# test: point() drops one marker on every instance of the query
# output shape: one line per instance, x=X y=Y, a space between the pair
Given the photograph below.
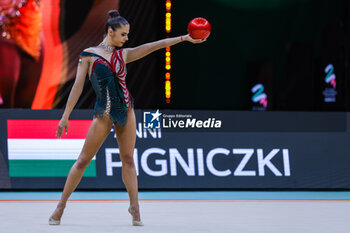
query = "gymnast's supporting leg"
x=98 y=131
x=126 y=137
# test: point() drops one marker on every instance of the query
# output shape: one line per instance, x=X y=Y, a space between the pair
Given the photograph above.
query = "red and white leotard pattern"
x=120 y=68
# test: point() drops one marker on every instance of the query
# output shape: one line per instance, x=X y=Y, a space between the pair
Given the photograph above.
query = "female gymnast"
x=105 y=65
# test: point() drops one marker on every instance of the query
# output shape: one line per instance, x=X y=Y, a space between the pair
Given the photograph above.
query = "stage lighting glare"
x=168 y=85
x=167 y=76
x=168 y=5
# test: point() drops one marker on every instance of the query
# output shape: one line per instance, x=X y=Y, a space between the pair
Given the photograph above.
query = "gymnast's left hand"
x=195 y=41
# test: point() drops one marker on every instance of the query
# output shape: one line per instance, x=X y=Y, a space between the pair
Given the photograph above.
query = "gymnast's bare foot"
x=55 y=218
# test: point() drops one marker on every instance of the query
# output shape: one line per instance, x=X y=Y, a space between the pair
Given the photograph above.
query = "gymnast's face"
x=120 y=35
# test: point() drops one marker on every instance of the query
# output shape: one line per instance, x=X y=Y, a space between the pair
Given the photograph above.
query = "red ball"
x=199 y=28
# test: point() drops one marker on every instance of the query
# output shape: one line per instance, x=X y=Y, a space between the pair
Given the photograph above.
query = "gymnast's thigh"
x=98 y=131
x=126 y=135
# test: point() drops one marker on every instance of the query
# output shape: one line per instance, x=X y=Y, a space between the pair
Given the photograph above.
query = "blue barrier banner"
x=183 y=150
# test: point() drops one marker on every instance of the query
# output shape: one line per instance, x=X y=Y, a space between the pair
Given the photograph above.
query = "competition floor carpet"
x=179 y=212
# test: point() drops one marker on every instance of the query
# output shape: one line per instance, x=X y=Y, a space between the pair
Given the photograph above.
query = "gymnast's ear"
x=110 y=31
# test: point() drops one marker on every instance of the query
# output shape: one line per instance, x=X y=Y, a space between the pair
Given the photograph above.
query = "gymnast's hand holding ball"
x=198 y=30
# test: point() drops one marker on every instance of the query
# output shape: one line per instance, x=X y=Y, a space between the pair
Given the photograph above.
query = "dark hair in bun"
x=113 y=13
x=115 y=21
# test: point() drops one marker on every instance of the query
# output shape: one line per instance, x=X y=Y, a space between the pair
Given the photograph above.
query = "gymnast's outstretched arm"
x=133 y=54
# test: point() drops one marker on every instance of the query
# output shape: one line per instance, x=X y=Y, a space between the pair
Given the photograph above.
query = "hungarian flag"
x=34 y=150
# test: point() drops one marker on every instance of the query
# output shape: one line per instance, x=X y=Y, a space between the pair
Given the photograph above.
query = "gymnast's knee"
x=128 y=160
x=82 y=163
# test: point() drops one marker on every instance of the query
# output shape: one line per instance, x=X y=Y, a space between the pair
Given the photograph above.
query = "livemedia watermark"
x=180 y=121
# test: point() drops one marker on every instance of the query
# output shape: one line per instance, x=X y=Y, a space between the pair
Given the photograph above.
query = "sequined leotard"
x=108 y=81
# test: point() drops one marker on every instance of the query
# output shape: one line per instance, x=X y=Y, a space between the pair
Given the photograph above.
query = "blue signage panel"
x=197 y=150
